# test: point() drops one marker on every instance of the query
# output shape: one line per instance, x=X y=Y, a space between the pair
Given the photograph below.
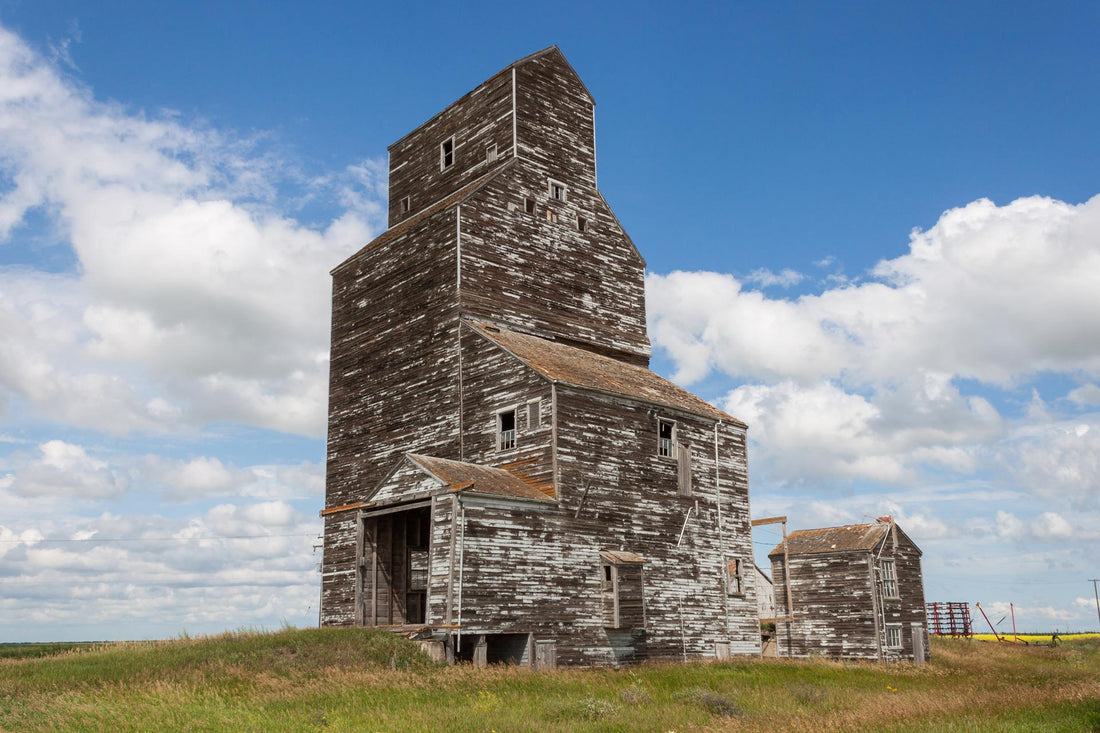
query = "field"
x=359 y=680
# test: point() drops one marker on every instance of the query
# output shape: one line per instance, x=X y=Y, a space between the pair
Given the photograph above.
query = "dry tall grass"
x=355 y=680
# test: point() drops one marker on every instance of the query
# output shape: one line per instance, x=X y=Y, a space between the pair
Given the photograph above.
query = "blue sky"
x=871 y=233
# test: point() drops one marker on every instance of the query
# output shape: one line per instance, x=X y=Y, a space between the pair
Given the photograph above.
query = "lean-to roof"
x=470 y=477
x=577 y=367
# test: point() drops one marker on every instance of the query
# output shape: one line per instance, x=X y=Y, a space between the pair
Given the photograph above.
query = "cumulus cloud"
x=1045 y=526
x=1029 y=614
x=195 y=300
x=64 y=469
x=822 y=430
x=1058 y=461
x=862 y=380
x=1087 y=395
x=993 y=293
x=243 y=563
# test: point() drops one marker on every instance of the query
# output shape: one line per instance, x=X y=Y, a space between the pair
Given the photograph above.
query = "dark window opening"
x=529 y=206
x=733 y=576
x=506 y=429
x=447 y=153
x=665 y=430
x=582 y=224
x=683 y=468
x=557 y=191
x=406 y=205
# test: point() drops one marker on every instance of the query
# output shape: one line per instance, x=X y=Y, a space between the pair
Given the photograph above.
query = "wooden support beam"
x=768 y=520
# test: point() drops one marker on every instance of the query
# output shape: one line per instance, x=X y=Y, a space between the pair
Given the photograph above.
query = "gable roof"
x=577 y=367
x=850 y=538
x=505 y=70
x=470 y=477
x=400 y=229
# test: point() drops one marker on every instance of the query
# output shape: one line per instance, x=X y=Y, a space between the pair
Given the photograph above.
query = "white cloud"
x=785 y=278
x=1087 y=395
x=990 y=293
x=1026 y=614
x=1058 y=461
x=64 y=469
x=195 y=301
x=246 y=564
x=822 y=431
x=1045 y=527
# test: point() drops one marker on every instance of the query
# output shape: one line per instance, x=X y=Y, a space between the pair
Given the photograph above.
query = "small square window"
x=447 y=153
x=491 y=154
x=557 y=191
x=406 y=205
x=529 y=206
x=582 y=224
x=665 y=430
x=506 y=429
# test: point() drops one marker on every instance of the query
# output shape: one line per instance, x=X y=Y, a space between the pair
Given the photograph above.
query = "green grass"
x=360 y=680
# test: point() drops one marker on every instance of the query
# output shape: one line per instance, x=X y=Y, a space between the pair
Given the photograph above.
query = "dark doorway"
x=394 y=568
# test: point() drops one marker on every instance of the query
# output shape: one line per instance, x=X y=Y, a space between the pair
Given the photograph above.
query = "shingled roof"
x=577 y=367
x=475 y=479
x=851 y=538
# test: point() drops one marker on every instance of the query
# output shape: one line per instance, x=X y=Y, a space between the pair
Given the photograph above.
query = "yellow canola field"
x=1036 y=638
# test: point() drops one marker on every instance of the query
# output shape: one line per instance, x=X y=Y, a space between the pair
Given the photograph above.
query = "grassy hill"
x=361 y=680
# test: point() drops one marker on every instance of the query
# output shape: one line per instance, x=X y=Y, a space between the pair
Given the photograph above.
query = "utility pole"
x=1094 y=581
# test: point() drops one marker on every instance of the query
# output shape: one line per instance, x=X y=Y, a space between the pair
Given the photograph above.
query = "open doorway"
x=394 y=568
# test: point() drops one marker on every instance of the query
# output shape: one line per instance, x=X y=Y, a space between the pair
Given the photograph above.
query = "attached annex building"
x=856 y=592
x=504 y=470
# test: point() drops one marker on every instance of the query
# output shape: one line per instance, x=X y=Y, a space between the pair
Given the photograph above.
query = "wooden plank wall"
x=479 y=119
x=493 y=380
x=393 y=378
x=909 y=608
x=836 y=597
x=634 y=494
x=548 y=278
x=833 y=606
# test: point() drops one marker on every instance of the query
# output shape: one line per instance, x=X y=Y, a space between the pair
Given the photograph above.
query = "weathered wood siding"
x=548 y=278
x=393 y=377
x=338 y=572
x=834 y=611
x=393 y=374
x=476 y=121
x=610 y=445
x=493 y=380
x=909 y=607
x=556 y=121
x=407 y=376
x=839 y=606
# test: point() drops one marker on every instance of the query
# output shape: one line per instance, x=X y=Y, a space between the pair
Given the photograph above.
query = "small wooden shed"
x=855 y=592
